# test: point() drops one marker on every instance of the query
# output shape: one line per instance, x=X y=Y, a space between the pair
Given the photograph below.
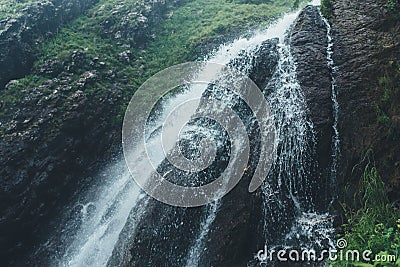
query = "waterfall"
x=294 y=129
x=288 y=206
x=90 y=237
x=195 y=251
x=102 y=212
x=289 y=183
x=98 y=231
x=335 y=104
x=277 y=30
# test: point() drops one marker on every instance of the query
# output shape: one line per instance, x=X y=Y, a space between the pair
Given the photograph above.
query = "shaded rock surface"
x=367 y=53
x=46 y=152
x=20 y=35
x=308 y=42
x=61 y=132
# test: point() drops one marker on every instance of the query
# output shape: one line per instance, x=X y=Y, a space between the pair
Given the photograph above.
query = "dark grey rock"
x=308 y=43
x=20 y=36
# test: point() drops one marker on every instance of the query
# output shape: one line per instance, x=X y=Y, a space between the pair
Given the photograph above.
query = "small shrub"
x=386 y=95
x=382 y=118
x=393 y=5
x=327 y=8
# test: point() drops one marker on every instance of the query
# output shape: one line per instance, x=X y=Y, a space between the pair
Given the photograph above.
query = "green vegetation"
x=327 y=8
x=208 y=21
x=388 y=104
x=255 y=2
x=376 y=226
x=11 y=8
x=393 y=5
x=182 y=36
x=383 y=81
x=383 y=119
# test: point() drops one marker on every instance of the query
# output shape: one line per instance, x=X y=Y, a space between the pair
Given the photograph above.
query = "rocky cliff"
x=20 y=35
x=52 y=130
x=308 y=41
x=367 y=56
x=367 y=53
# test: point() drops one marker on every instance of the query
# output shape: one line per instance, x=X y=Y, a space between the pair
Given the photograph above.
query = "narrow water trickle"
x=335 y=104
x=195 y=251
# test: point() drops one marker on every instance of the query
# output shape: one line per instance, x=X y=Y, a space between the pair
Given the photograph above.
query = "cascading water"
x=90 y=238
x=289 y=184
x=107 y=208
x=335 y=104
x=277 y=30
x=288 y=204
x=295 y=131
x=195 y=251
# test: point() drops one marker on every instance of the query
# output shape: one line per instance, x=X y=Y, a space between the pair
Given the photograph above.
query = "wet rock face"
x=20 y=36
x=46 y=154
x=164 y=228
x=235 y=236
x=308 y=42
x=367 y=47
x=59 y=133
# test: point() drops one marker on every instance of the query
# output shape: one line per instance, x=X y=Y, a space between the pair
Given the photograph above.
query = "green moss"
x=389 y=87
x=382 y=117
x=386 y=95
x=385 y=83
x=384 y=120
